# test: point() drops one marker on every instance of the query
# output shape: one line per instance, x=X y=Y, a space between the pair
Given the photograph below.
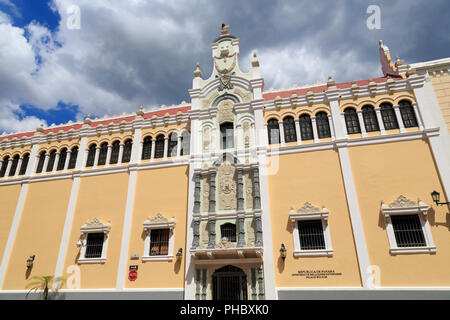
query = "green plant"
x=44 y=283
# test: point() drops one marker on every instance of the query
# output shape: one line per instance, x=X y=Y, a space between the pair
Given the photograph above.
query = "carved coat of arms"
x=227 y=186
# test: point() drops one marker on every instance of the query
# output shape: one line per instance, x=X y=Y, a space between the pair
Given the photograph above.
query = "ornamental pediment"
x=159 y=220
x=308 y=210
x=96 y=225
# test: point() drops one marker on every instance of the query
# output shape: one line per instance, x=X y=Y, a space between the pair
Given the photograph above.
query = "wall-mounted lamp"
x=436 y=197
x=179 y=253
x=30 y=261
x=283 y=251
x=79 y=243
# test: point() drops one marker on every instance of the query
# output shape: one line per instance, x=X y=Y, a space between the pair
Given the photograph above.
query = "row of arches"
x=388 y=117
x=15 y=163
x=63 y=160
x=306 y=128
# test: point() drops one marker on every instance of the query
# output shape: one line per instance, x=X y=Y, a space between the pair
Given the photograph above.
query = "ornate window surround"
x=403 y=206
x=158 y=222
x=309 y=212
x=95 y=226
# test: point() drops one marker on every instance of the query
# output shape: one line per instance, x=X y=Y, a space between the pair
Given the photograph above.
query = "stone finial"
x=41 y=128
x=197 y=72
x=255 y=62
x=140 y=112
x=225 y=28
x=330 y=82
x=88 y=119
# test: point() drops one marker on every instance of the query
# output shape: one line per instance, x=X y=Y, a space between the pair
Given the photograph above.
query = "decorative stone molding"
x=225 y=244
x=308 y=211
x=206 y=139
x=225 y=111
x=96 y=226
x=159 y=221
x=227 y=186
x=404 y=206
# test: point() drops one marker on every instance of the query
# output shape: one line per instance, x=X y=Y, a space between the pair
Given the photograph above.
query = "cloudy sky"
x=128 y=53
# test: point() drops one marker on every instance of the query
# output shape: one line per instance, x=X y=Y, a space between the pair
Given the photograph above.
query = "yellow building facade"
x=320 y=191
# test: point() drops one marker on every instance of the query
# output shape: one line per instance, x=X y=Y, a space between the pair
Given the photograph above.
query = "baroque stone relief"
x=245 y=95
x=204 y=236
x=250 y=233
x=402 y=202
x=248 y=184
x=246 y=129
x=225 y=111
x=225 y=243
x=227 y=186
x=205 y=193
x=206 y=139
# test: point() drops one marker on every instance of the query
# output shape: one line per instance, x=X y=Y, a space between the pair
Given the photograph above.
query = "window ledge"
x=408 y=250
x=157 y=258
x=91 y=260
x=315 y=253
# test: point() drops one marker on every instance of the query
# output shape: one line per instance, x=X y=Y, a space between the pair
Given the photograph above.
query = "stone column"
x=196 y=233
x=418 y=116
x=97 y=154
x=241 y=235
x=281 y=126
x=330 y=122
x=259 y=232
x=44 y=168
x=19 y=165
x=153 y=149
x=297 y=131
x=314 y=127
x=212 y=192
x=119 y=160
x=55 y=164
x=256 y=194
x=196 y=193
x=380 y=121
x=212 y=233
x=166 y=147
x=108 y=155
x=68 y=156
x=362 y=125
x=8 y=168
x=240 y=191
x=178 y=145
x=399 y=119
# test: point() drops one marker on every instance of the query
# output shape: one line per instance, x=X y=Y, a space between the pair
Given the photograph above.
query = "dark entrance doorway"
x=229 y=283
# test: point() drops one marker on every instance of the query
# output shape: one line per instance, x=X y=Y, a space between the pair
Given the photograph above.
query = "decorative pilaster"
x=259 y=232
x=256 y=194
x=196 y=233
x=212 y=191
x=66 y=162
x=212 y=233
x=260 y=284
x=240 y=191
x=196 y=192
x=241 y=234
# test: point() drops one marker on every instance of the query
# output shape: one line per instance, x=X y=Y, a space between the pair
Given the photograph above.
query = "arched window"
x=91 y=155
x=388 y=115
x=228 y=230
x=408 y=115
x=127 y=151
x=159 y=146
x=185 y=143
x=4 y=166
x=147 y=148
x=115 y=149
x=323 y=126
x=73 y=158
x=103 y=153
x=14 y=164
x=40 y=166
x=227 y=135
x=273 y=131
x=351 y=121
x=289 y=129
x=173 y=141
x=306 y=129
x=370 y=119
x=24 y=166
x=62 y=159
x=51 y=161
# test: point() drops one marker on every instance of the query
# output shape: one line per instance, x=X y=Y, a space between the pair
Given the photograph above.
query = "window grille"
x=115 y=149
x=388 y=115
x=91 y=156
x=62 y=159
x=159 y=146
x=147 y=148
x=14 y=164
x=173 y=142
x=274 y=131
x=351 y=121
x=73 y=158
x=408 y=115
x=159 y=242
x=127 y=151
x=408 y=230
x=289 y=129
x=103 y=154
x=323 y=126
x=306 y=129
x=228 y=230
x=94 y=245
x=311 y=235
x=227 y=135
x=4 y=166
x=40 y=163
x=370 y=119
x=51 y=161
x=25 y=160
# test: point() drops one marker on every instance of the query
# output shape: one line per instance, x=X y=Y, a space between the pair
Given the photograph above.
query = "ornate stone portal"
x=227 y=186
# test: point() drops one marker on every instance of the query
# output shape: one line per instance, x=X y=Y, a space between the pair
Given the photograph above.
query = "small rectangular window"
x=94 y=245
x=159 y=242
x=311 y=235
x=408 y=230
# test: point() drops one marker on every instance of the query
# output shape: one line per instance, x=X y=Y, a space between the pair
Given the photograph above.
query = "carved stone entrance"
x=229 y=283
